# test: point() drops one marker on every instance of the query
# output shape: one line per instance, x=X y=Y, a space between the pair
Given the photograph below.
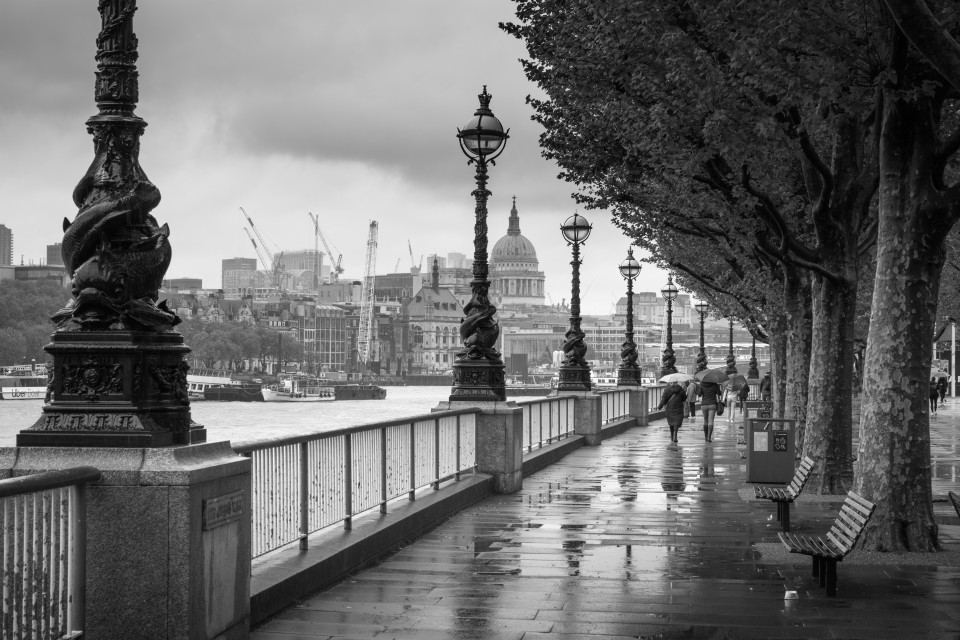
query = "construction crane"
x=335 y=268
x=274 y=266
x=365 y=333
x=414 y=267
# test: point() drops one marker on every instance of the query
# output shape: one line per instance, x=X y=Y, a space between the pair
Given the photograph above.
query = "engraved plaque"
x=222 y=509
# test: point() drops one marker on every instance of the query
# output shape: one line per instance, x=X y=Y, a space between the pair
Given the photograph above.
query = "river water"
x=242 y=421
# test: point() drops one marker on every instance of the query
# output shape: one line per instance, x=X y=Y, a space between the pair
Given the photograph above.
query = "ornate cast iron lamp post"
x=731 y=359
x=702 y=356
x=119 y=378
x=478 y=373
x=669 y=293
x=574 y=370
x=753 y=371
x=629 y=373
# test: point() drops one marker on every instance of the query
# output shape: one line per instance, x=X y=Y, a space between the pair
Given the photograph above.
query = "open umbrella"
x=936 y=373
x=713 y=375
x=676 y=377
x=737 y=382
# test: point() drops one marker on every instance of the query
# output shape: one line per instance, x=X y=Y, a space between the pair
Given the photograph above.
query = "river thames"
x=242 y=421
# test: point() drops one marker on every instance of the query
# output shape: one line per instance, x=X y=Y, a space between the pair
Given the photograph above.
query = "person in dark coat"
x=942 y=388
x=709 y=394
x=934 y=394
x=765 y=387
x=742 y=396
x=674 y=398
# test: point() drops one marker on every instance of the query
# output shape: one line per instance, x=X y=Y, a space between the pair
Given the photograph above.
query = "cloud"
x=349 y=110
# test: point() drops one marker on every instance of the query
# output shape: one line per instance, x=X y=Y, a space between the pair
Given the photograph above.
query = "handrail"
x=47 y=480
x=302 y=484
x=248 y=446
x=43 y=553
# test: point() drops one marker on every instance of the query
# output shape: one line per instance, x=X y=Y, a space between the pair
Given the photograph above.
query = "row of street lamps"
x=478 y=373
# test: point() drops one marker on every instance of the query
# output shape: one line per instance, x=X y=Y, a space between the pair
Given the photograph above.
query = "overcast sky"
x=346 y=109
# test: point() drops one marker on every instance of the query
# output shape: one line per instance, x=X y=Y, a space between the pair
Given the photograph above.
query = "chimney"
x=436 y=275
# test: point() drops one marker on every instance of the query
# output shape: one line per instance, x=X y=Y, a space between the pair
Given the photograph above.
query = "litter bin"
x=771 y=449
x=758 y=409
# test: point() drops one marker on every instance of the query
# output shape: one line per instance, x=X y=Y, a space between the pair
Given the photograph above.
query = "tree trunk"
x=829 y=414
x=893 y=464
x=838 y=221
x=797 y=309
x=778 y=361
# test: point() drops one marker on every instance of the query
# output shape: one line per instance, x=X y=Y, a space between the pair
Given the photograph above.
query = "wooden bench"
x=839 y=541
x=783 y=496
x=955 y=499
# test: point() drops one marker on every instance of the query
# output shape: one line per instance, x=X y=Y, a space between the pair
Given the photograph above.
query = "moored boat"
x=23 y=387
x=240 y=392
x=359 y=392
x=298 y=390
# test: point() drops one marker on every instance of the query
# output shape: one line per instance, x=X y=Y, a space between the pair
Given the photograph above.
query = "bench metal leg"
x=831 y=571
x=779 y=511
x=785 y=516
x=816 y=566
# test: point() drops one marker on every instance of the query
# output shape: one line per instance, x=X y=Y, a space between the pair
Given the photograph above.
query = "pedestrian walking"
x=693 y=391
x=765 y=387
x=742 y=396
x=942 y=388
x=674 y=399
x=934 y=394
x=709 y=394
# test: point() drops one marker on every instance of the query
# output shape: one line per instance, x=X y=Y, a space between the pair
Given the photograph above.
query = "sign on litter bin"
x=771 y=449
x=759 y=409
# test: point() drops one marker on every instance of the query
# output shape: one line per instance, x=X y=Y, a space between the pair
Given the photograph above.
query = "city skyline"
x=307 y=123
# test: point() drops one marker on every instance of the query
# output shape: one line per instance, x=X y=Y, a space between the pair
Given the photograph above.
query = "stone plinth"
x=586 y=415
x=499 y=441
x=115 y=389
x=168 y=539
x=639 y=408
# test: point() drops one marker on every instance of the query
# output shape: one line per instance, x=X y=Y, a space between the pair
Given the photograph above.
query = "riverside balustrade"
x=614 y=405
x=43 y=520
x=546 y=420
x=303 y=484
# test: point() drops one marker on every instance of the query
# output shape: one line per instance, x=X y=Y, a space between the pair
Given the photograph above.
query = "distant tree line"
x=25 y=326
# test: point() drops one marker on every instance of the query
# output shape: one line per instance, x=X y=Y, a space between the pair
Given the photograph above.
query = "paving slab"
x=640 y=538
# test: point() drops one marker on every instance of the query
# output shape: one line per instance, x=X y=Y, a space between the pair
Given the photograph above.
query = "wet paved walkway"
x=636 y=538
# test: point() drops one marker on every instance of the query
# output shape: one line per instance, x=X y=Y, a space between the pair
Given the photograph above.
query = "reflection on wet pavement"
x=636 y=538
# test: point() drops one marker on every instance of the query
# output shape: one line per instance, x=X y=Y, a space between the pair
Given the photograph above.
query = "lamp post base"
x=475 y=380
x=629 y=376
x=115 y=389
x=574 y=378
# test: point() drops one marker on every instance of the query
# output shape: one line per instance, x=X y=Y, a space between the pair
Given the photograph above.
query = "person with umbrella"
x=674 y=399
x=942 y=388
x=710 y=380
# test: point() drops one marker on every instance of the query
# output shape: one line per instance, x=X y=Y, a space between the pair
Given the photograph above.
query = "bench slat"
x=854 y=515
x=862 y=503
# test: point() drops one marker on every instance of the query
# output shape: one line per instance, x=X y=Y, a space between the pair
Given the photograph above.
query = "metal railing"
x=546 y=420
x=654 y=394
x=306 y=483
x=614 y=404
x=43 y=520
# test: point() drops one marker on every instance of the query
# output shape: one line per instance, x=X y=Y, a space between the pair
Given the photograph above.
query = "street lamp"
x=574 y=370
x=702 y=356
x=478 y=373
x=669 y=293
x=753 y=371
x=629 y=373
x=731 y=359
